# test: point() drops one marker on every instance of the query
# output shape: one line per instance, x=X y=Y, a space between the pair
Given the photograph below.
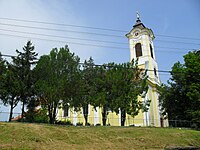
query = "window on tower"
x=138 y=49
x=151 y=50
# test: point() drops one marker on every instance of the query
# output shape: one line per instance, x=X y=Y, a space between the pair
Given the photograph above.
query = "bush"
x=36 y=116
x=68 y=122
x=41 y=116
x=194 y=126
x=88 y=124
x=132 y=125
x=79 y=124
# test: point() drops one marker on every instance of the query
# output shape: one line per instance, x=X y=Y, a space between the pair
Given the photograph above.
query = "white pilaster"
x=96 y=116
x=75 y=115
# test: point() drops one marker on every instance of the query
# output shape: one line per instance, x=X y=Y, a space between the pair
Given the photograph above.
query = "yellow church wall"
x=151 y=109
x=139 y=119
x=141 y=66
x=80 y=117
x=100 y=116
x=154 y=109
x=113 y=119
x=60 y=116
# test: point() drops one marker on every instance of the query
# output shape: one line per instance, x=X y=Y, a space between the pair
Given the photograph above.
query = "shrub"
x=41 y=116
x=67 y=122
x=79 y=124
x=36 y=116
x=194 y=126
x=88 y=124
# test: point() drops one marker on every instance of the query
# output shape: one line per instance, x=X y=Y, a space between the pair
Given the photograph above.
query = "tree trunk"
x=50 y=115
x=85 y=112
x=50 y=119
x=54 y=113
x=86 y=119
x=23 y=105
x=104 y=115
x=11 y=109
x=123 y=117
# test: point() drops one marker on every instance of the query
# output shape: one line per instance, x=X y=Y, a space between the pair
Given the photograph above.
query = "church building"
x=141 y=47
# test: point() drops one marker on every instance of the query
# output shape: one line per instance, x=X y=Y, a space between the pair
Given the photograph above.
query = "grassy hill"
x=40 y=136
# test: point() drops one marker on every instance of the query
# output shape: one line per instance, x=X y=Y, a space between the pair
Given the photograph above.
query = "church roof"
x=139 y=24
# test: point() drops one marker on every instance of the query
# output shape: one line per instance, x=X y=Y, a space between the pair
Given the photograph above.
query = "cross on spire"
x=137 y=15
x=138 y=22
x=138 y=18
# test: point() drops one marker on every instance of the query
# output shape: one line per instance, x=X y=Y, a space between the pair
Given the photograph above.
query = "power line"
x=176 y=48
x=50 y=29
x=50 y=35
x=177 y=37
x=177 y=42
x=94 y=45
x=162 y=71
x=62 y=24
x=89 y=27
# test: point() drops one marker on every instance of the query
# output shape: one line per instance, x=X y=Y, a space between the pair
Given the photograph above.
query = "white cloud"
x=47 y=11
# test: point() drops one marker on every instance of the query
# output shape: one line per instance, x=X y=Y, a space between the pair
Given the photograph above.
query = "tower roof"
x=141 y=27
x=138 y=22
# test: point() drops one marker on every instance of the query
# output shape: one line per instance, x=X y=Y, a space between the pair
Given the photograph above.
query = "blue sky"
x=180 y=18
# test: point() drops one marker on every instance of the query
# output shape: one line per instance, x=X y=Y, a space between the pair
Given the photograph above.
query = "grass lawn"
x=41 y=136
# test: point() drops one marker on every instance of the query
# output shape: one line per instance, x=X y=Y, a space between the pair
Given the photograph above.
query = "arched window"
x=151 y=50
x=138 y=50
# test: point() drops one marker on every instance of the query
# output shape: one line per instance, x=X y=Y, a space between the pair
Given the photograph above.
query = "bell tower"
x=142 y=48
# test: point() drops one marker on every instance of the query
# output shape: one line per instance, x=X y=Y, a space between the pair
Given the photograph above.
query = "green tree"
x=32 y=109
x=55 y=76
x=118 y=87
x=36 y=111
x=2 y=68
x=24 y=63
x=10 y=85
x=88 y=75
x=2 y=65
x=102 y=91
x=127 y=86
x=2 y=73
x=181 y=99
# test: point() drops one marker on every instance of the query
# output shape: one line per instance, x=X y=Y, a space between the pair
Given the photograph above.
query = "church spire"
x=138 y=21
x=137 y=16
